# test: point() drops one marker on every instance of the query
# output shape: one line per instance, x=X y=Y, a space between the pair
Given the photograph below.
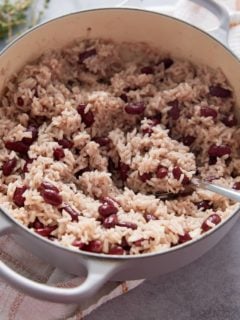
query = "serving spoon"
x=203 y=184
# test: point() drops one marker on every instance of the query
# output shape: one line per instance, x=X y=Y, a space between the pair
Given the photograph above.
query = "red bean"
x=208 y=112
x=129 y=225
x=18 y=197
x=46 y=231
x=34 y=131
x=58 y=154
x=8 y=166
x=123 y=170
x=188 y=140
x=94 y=246
x=87 y=117
x=135 y=108
x=110 y=222
x=230 y=121
x=65 y=143
x=25 y=167
x=220 y=92
x=236 y=185
x=20 y=101
x=102 y=141
x=78 y=243
x=147 y=70
x=47 y=186
x=72 y=212
x=51 y=197
x=145 y=176
x=106 y=209
x=149 y=217
x=185 y=180
x=161 y=172
x=147 y=131
x=184 y=238
x=117 y=250
x=214 y=218
x=174 y=112
x=124 y=244
x=219 y=151
x=124 y=97
x=177 y=172
x=17 y=146
x=86 y=54
x=36 y=224
x=204 y=205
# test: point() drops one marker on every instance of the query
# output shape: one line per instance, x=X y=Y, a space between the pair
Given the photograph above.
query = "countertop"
x=207 y=289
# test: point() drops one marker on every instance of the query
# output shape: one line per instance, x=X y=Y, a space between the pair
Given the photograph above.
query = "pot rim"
x=104 y=255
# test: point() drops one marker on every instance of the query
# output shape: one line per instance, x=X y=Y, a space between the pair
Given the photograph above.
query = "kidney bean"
x=9 y=166
x=230 y=121
x=47 y=186
x=110 y=221
x=65 y=143
x=18 y=197
x=219 y=151
x=214 y=218
x=161 y=172
x=25 y=167
x=17 y=146
x=116 y=250
x=34 y=131
x=220 y=92
x=135 y=108
x=107 y=208
x=78 y=243
x=184 y=238
x=208 y=112
x=94 y=246
x=145 y=176
x=236 y=185
x=58 y=154
x=87 y=117
x=72 y=212
x=51 y=197
x=46 y=231
x=102 y=141
x=204 y=205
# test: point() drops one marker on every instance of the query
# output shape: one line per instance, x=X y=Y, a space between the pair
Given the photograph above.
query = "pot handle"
x=98 y=273
x=220 y=32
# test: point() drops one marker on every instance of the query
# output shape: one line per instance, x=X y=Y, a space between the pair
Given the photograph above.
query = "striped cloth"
x=15 y=305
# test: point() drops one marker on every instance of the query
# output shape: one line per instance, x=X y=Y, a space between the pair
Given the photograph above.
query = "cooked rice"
x=46 y=94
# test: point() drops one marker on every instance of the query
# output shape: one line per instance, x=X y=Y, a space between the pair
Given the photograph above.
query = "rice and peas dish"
x=91 y=134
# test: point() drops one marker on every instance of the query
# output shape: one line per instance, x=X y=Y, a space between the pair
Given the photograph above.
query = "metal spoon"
x=223 y=191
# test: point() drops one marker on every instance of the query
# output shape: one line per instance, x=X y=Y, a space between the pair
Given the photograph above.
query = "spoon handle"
x=224 y=191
